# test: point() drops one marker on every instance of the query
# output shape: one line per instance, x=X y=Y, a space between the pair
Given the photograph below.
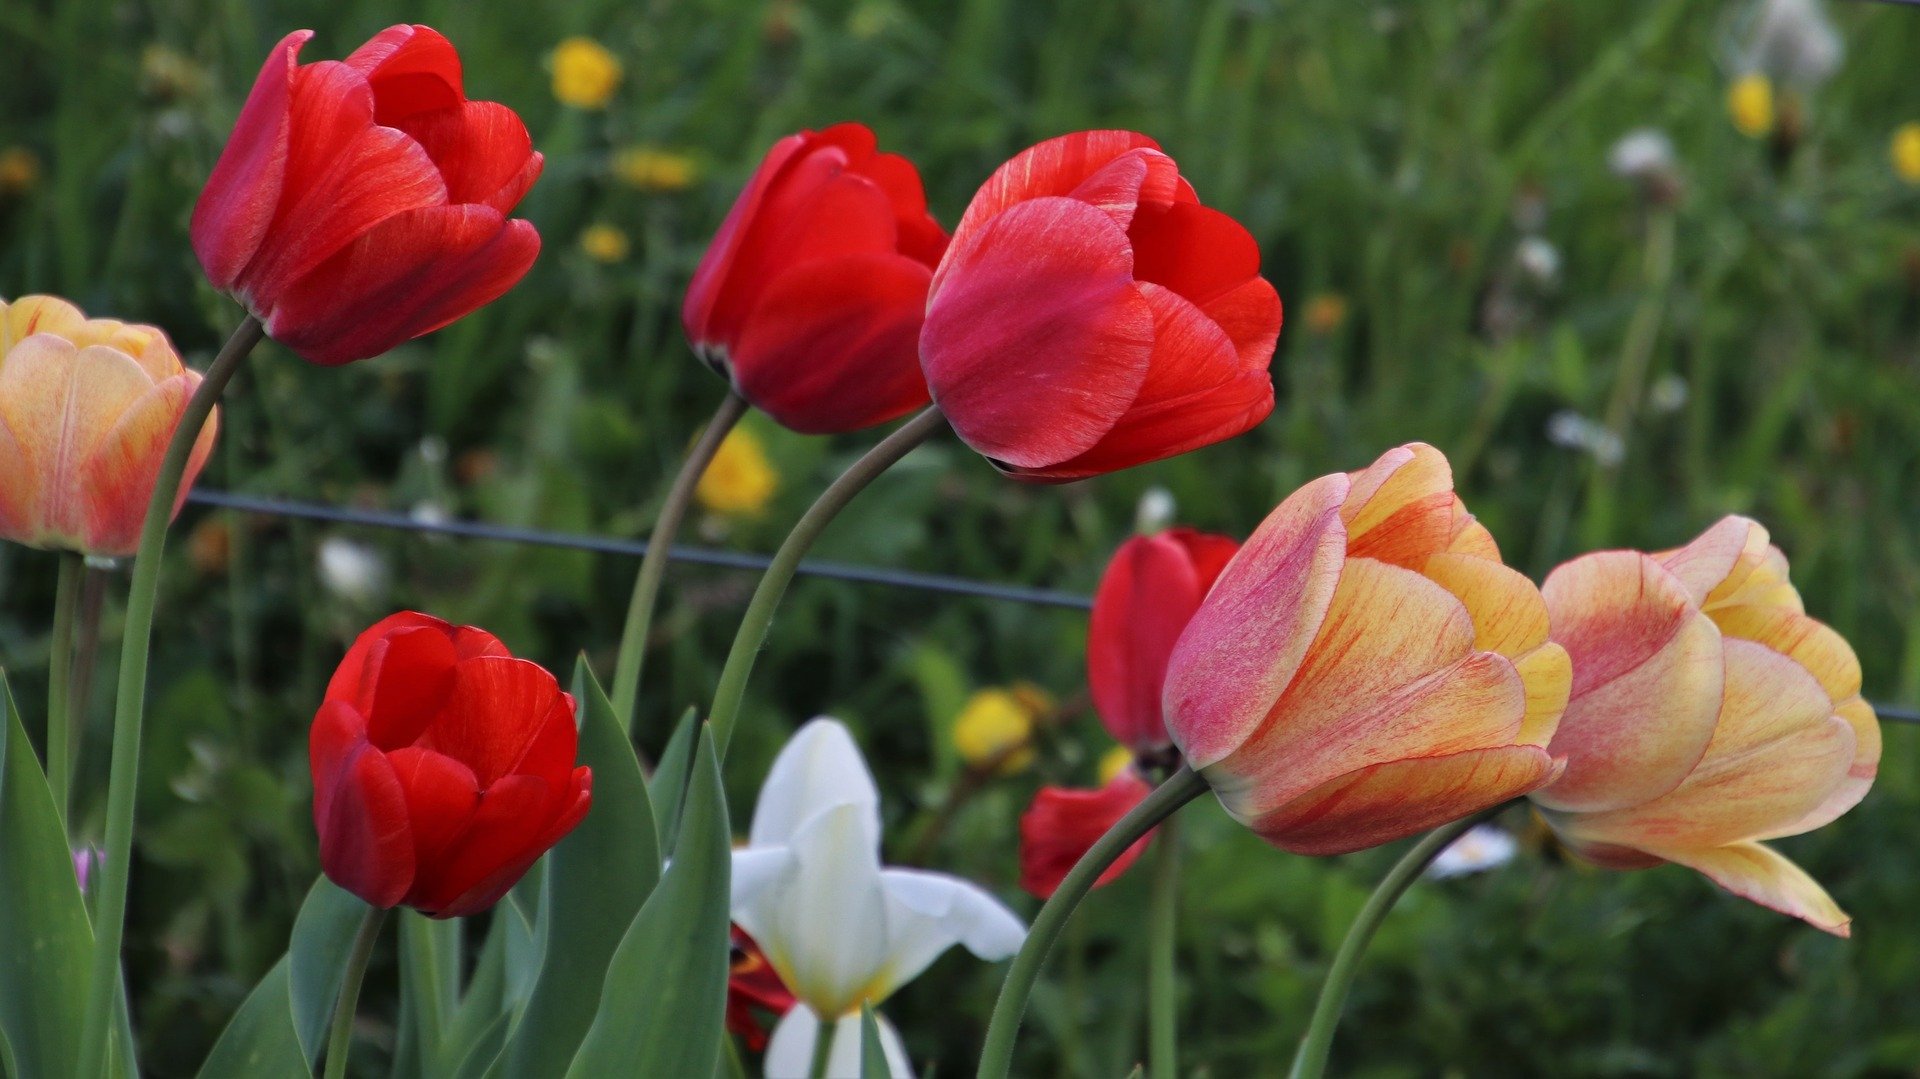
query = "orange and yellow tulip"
x=1366 y=668
x=87 y=407
x=1708 y=713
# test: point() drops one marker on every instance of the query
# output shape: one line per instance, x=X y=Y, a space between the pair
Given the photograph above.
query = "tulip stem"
x=758 y=619
x=60 y=720
x=1163 y=904
x=822 y=1050
x=653 y=567
x=340 y=1042
x=1317 y=1042
x=996 y=1055
x=130 y=704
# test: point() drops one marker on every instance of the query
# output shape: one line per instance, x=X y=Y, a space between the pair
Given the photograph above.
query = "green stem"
x=1311 y=1061
x=996 y=1055
x=340 y=1042
x=822 y=1050
x=86 y=649
x=773 y=584
x=60 y=720
x=1163 y=904
x=653 y=567
x=130 y=704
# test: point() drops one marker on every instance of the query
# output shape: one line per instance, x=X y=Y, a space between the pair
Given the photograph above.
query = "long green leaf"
x=48 y=937
x=259 y=1039
x=597 y=878
x=663 y=1006
x=669 y=786
x=873 y=1055
x=282 y=1024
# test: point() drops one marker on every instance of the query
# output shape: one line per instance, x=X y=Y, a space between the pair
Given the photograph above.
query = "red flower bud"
x=810 y=298
x=442 y=767
x=1091 y=315
x=753 y=986
x=1146 y=597
x=1062 y=823
x=362 y=203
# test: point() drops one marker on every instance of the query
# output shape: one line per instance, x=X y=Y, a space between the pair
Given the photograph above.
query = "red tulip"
x=810 y=298
x=442 y=767
x=753 y=986
x=1062 y=823
x=362 y=203
x=1091 y=315
x=1146 y=597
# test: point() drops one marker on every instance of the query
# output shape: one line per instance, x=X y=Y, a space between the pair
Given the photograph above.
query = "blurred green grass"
x=1393 y=154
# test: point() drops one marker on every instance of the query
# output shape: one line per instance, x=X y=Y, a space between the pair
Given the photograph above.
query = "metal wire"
x=704 y=556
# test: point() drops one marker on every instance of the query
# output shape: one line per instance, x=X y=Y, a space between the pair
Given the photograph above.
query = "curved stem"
x=773 y=584
x=653 y=567
x=340 y=1042
x=996 y=1055
x=130 y=704
x=60 y=719
x=822 y=1050
x=1318 y=1040
x=1163 y=903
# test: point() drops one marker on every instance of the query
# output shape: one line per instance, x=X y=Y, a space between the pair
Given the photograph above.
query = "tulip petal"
x=1039 y=341
x=1246 y=642
x=1768 y=878
x=482 y=150
x=1547 y=672
x=927 y=913
x=831 y=345
x=1198 y=252
x=29 y=315
x=711 y=276
x=411 y=69
x=495 y=711
x=790 y=1050
x=349 y=675
x=360 y=811
x=243 y=193
x=499 y=842
x=1120 y=187
x=1403 y=509
x=406 y=678
x=1732 y=563
x=1061 y=824
x=824 y=927
x=1825 y=654
x=441 y=799
x=119 y=474
x=1641 y=652
x=1052 y=168
x=820 y=768
x=1509 y=615
x=574 y=800
x=1146 y=596
x=1389 y=801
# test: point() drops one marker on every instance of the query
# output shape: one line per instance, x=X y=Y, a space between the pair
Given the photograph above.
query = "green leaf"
x=669 y=786
x=873 y=1055
x=43 y=968
x=485 y=1000
x=283 y=1022
x=664 y=1002
x=485 y=1050
x=598 y=876
x=259 y=1039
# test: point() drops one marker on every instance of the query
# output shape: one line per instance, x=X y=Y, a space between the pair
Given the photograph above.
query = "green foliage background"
x=1392 y=152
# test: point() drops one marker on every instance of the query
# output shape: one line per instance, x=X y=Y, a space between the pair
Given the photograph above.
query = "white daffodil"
x=840 y=929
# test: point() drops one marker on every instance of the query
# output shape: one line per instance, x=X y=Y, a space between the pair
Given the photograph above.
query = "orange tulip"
x=1366 y=668
x=87 y=407
x=1708 y=713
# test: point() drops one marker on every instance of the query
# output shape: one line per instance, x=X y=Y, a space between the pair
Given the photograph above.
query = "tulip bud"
x=442 y=767
x=360 y=204
x=1062 y=823
x=87 y=407
x=1148 y=592
x=1091 y=315
x=810 y=299
x=1366 y=668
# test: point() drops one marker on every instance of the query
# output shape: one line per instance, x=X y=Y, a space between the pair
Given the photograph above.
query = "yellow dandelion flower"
x=1113 y=762
x=650 y=168
x=605 y=243
x=585 y=73
x=1906 y=151
x=995 y=730
x=1750 y=104
x=740 y=480
x=19 y=170
x=1326 y=312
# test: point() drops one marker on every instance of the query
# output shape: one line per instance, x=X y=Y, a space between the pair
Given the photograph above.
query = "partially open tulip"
x=87 y=407
x=1149 y=591
x=442 y=767
x=810 y=298
x=362 y=203
x=1366 y=668
x=1061 y=823
x=1709 y=713
x=1091 y=315
x=841 y=930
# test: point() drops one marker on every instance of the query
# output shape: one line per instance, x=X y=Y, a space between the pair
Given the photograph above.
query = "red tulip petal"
x=411 y=69
x=505 y=822
x=1209 y=552
x=472 y=641
x=1195 y=250
x=345 y=683
x=407 y=680
x=482 y=150
x=831 y=346
x=1038 y=341
x=408 y=276
x=1145 y=599
x=710 y=277
x=441 y=799
x=1138 y=179
x=920 y=237
x=1051 y=168
x=555 y=744
x=1197 y=392
x=238 y=203
x=1062 y=823
x=366 y=846
x=493 y=714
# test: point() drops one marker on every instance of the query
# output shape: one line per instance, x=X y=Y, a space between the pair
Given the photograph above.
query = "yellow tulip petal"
x=29 y=315
x=1768 y=878
x=1858 y=715
x=1413 y=477
x=118 y=477
x=1509 y=615
x=1731 y=563
x=1547 y=673
x=1807 y=641
x=1646 y=681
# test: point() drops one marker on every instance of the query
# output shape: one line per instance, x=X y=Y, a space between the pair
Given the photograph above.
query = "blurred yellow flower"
x=19 y=170
x=995 y=730
x=585 y=73
x=168 y=73
x=1750 y=104
x=650 y=168
x=1113 y=762
x=1906 y=151
x=740 y=480
x=1326 y=312
x=604 y=243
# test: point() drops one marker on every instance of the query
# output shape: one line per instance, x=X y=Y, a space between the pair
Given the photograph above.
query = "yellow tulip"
x=740 y=481
x=585 y=73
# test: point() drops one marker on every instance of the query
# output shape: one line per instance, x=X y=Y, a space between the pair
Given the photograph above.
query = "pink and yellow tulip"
x=87 y=407
x=1366 y=668
x=1709 y=713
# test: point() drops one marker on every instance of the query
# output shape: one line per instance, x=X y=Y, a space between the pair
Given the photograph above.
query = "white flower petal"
x=927 y=913
x=790 y=1051
x=760 y=880
x=818 y=769
x=826 y=935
